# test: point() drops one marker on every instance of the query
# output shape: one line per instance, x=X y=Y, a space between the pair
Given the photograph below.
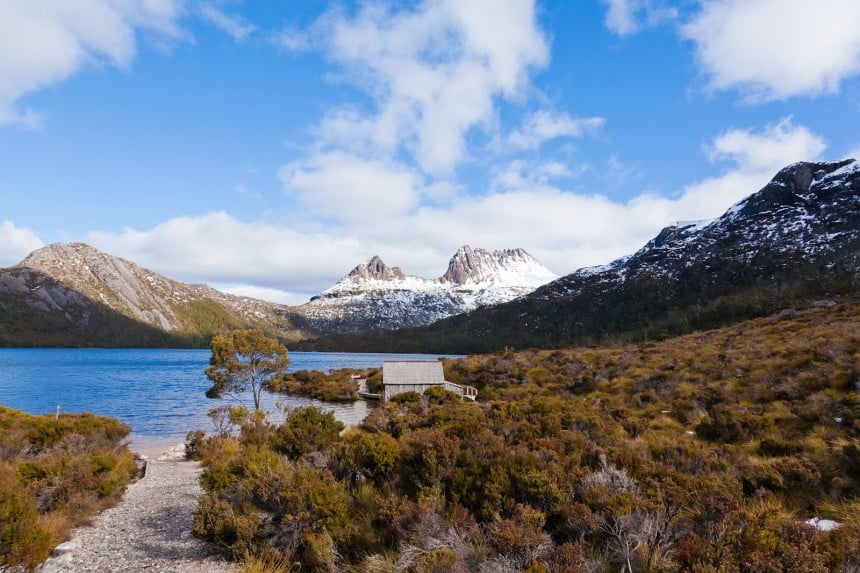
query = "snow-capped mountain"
x=794 y=242
x=374 y=295
x=808 y=213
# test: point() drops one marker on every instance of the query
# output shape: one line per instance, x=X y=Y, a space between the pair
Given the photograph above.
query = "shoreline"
x=155 y=446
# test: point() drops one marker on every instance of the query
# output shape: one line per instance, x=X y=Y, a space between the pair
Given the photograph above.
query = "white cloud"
x=217 y=248
x=262 y=293
x=627 y=17
x=16 y=243
x=565 y=229
x=757 y=155
x=349 y=188
x=771 y=50
x=621 y=17
x=773 y=147
x=544 y=125
x=43 y=42
x=232 y=25
x=434 y=71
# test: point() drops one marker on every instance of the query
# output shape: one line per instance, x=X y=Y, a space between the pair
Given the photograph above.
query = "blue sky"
x=266 y=148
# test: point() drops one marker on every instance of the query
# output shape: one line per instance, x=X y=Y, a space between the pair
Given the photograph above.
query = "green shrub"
x=55 y=473
x=306 y=429
x=406 y=398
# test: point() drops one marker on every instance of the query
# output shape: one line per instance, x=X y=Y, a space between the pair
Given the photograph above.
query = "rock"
x=67 y=547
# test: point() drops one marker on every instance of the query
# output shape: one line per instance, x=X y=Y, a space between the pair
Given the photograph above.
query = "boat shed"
x=417 y=376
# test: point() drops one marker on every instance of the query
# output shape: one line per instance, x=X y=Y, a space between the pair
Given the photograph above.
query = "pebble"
x=149 y=530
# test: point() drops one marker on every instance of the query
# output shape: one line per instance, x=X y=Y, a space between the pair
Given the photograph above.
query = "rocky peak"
x=789 y=187
x=59 y=255
x=799 y=176
x=470 y=265
x=375 y=269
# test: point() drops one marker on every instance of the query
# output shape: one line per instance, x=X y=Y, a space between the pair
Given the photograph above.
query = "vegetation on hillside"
x=56 y=473
x=642 y=307
x=707 y=452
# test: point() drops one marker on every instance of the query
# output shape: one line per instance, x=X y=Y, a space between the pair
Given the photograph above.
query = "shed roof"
x=412 y=372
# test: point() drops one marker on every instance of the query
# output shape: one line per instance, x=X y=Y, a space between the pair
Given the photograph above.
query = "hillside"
x=794 y=241
x=75 y=295
x=735 y=449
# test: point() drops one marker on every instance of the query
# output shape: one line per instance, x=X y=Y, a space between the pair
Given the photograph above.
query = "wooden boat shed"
x=417 y=376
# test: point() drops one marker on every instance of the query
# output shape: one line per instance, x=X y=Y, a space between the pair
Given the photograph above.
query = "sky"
x=266 y=148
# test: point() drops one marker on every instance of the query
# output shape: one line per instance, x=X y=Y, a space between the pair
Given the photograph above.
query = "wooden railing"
x=468 y=392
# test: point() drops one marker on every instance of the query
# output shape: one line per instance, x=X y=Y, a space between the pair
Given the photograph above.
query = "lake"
x=159 y=393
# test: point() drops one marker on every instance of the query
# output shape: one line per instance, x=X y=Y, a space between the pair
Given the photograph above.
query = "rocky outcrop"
x=374 y=295
x=511 y=266
x=375 y=269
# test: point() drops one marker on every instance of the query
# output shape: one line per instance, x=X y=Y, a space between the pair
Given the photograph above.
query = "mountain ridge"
x=76 y=281
x=374 y=295
x=797 y=238
x=58 y=294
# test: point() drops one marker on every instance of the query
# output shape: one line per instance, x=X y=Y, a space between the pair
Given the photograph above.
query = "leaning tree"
x=244 y=361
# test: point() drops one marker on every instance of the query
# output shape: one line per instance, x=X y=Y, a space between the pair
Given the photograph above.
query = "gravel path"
x=148 y=531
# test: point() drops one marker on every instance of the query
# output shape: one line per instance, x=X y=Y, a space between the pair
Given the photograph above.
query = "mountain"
x=374 y=295
x=74 y=294
x=794 y=241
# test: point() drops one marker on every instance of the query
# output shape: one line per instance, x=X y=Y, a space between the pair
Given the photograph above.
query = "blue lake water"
x=159 y=393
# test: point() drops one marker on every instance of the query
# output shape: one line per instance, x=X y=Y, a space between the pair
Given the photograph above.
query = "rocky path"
x=148 y=531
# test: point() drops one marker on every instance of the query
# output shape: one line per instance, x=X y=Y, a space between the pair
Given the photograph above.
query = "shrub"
x=438 y=395
x=306 y=429
x=55 y=473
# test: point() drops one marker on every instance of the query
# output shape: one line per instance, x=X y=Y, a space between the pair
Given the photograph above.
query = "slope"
x=795 y=240
x=75 y=295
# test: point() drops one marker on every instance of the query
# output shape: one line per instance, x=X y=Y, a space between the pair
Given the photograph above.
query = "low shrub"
x=55 y=473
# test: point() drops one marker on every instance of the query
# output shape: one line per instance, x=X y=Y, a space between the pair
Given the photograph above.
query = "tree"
x=242 y=361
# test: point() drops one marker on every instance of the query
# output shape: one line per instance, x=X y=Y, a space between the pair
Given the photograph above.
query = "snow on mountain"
x=374 y=295
x=806 y=213
x=792 y=244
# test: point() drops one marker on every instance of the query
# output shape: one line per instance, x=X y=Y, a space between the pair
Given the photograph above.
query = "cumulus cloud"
x=434 y=72
x=349 y=188
x=773 y=147
x=543 y=125
x=564 y=229
x=218 y=248
x=262 y=293
x=768 y=51
x=16 y=243
x=235 y=26
x=757 y=156
x=44 y=42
